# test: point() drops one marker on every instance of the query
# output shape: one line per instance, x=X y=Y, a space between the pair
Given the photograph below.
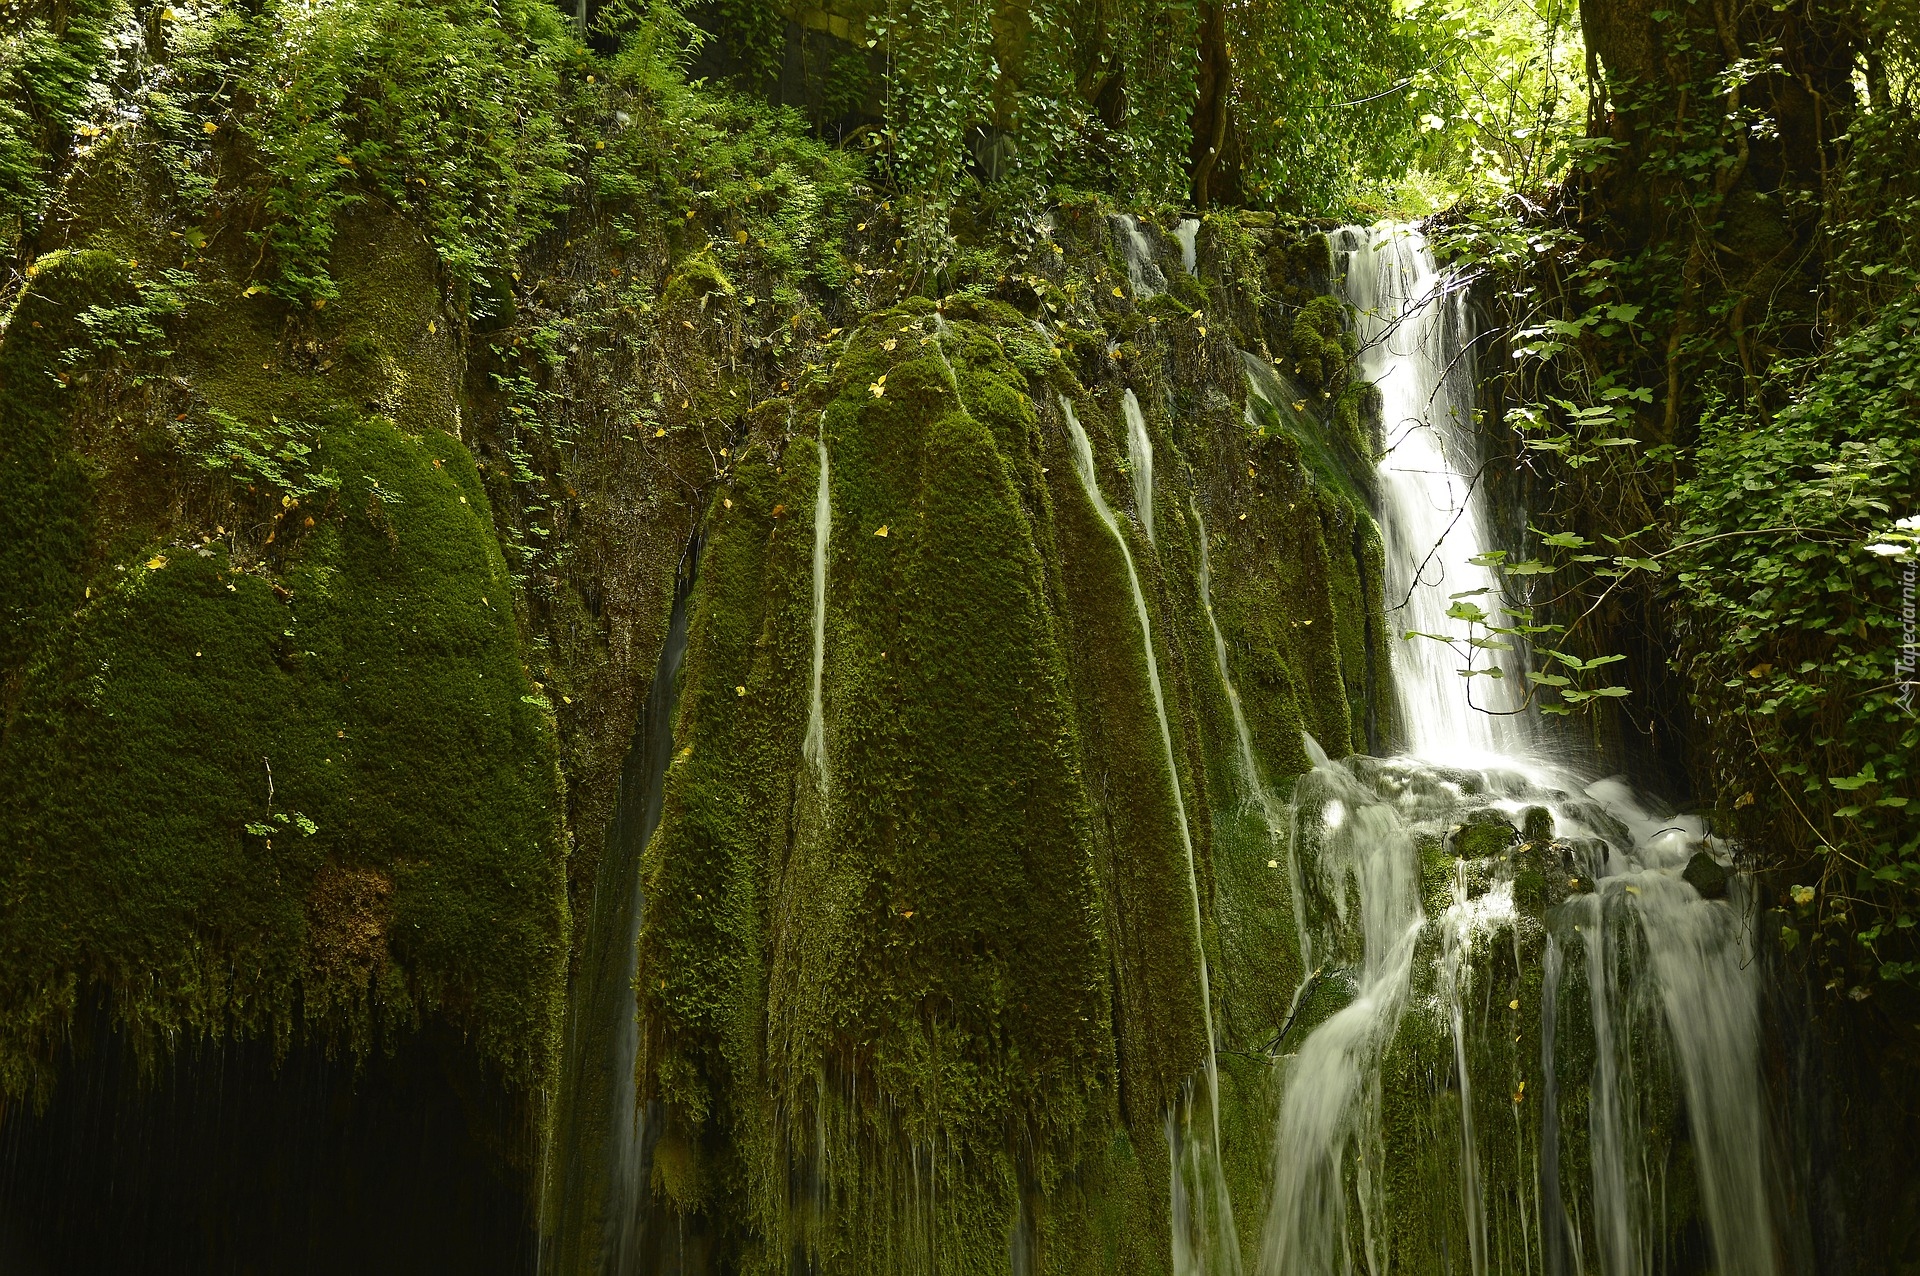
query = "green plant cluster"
x=279 y=119
x=49 y=55
x=1796 y=581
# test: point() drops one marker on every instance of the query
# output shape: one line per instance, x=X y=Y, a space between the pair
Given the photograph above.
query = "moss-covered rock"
x=324 y=800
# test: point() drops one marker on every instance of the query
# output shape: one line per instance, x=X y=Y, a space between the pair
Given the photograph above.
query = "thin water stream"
x=602 y=1141
x=1216 y=1237
x=814 y=744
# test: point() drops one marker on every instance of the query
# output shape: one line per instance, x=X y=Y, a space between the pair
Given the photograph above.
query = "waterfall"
x=1363 y=852
x=1143 y=271
x=1412 y=331
x=814 y=746
x=1139 y=460
x=1217 y=1211
x=1187 y=232
x=1671 y=981
x=599 y=1159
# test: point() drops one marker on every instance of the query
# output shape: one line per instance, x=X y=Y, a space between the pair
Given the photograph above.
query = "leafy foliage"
x=1796 y=601
x=453 y=112
x=48 y=57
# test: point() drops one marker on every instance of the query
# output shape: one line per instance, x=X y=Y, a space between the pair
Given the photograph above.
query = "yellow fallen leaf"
x=210 y=127
x=1299 y=405
x=1760 y=670
x=727 y=501
x=888 y=344
x=660 y=433
x=155 y=563
x=1117 y=292
x=739 y=691
x=1514 y=1004
x=882 y=531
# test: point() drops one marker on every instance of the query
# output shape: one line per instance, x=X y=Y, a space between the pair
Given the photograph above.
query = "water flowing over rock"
x=1463 y=891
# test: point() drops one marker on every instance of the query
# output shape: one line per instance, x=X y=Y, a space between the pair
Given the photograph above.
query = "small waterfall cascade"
x=1139 y=460
x=1438 y=877
x=814 y=743
x=1204 y=1238
x=1143 y=270
x=1362 y=854
x=598 y=1190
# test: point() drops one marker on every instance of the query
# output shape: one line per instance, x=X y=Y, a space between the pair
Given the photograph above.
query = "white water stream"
x=1139 y=460
x=1413 y=333
x=814 y=746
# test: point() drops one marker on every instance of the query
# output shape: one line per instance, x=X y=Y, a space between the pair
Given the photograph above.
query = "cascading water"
x=814 y=744
x=1671 y=987
x=1188 y=233
x=1331 y=1104
x=1143 y=267
x=1215 y=1211
x=1139 y=460
x=1413 y=346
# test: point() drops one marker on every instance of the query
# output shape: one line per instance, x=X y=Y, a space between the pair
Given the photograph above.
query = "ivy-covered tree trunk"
x=1723 y=121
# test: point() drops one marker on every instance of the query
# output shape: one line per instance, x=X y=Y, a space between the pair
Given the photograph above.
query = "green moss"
x=325 y=802
x=911 y=957
x=46 y=490
x=696 y=278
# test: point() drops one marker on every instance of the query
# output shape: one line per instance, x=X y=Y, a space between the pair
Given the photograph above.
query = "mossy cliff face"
x=940 y=993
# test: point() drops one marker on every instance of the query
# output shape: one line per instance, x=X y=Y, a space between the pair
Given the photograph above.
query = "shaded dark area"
x=221 y=1162
x=603 y=1146
x=1844 y=1077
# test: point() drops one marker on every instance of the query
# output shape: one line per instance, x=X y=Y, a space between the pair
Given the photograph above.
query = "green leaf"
x=1565 y=540
x=1859 y=780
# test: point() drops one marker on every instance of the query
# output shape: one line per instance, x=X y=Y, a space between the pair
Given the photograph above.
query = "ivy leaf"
x=1858 y=780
